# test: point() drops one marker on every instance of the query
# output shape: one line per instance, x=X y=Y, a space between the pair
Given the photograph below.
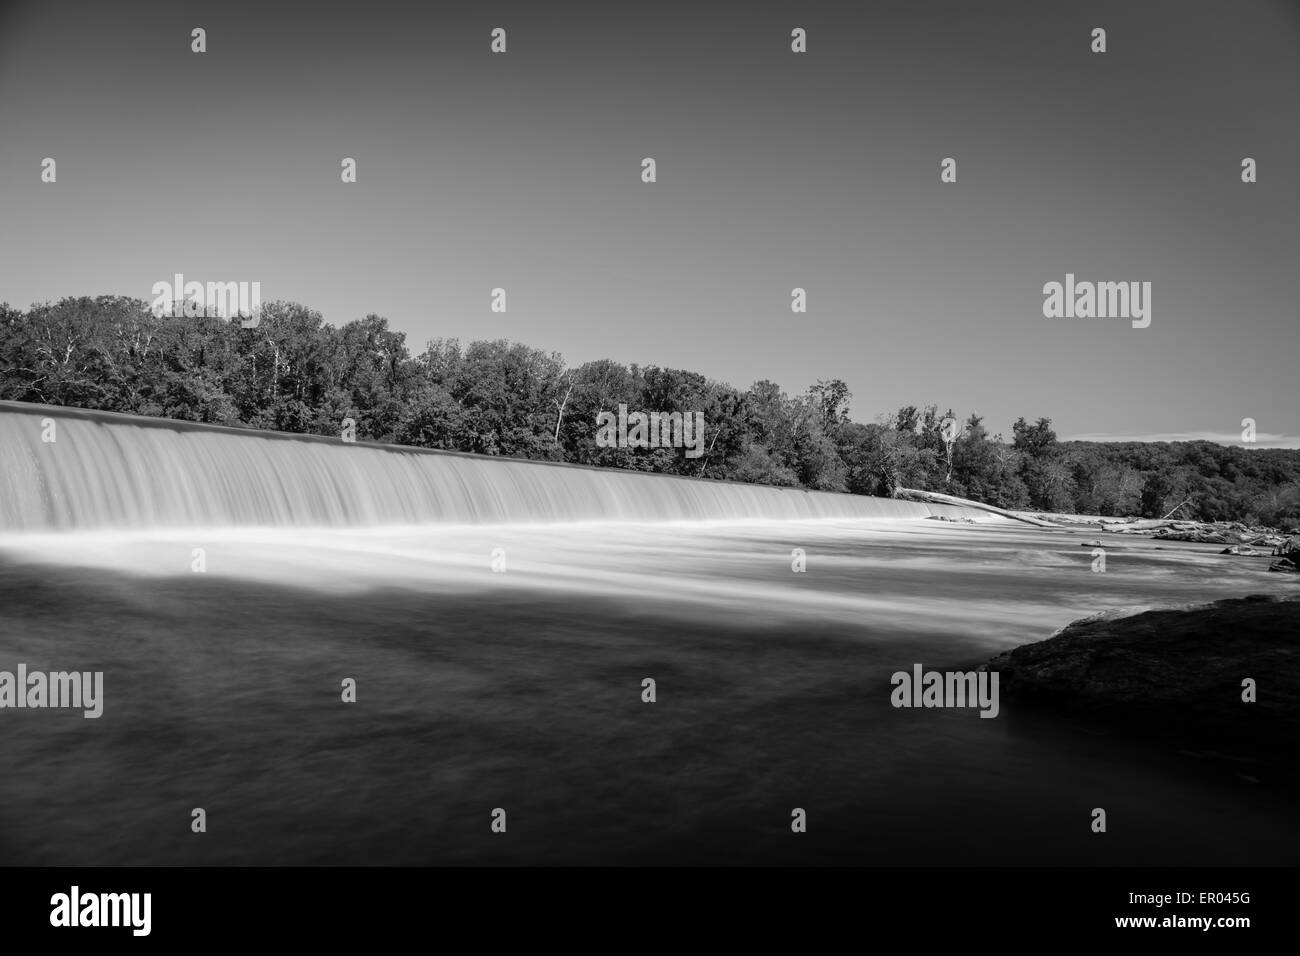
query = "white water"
x=110 y=472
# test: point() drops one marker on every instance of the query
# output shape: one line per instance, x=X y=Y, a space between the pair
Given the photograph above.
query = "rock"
x=1197 y=537
x=1289 y=553
x=1175 y=676
x=1090 y=544
x=1240 y=549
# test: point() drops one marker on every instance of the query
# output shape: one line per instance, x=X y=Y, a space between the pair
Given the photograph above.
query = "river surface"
x=520 y=688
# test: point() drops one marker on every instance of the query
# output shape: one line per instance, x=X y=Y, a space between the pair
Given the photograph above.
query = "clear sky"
x=775 y=170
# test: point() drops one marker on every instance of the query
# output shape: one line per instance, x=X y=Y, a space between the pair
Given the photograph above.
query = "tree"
x=832 y=396
x=1036 y=440
x=1155 y=490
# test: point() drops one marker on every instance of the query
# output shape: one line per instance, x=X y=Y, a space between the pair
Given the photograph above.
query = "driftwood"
x=935 y=497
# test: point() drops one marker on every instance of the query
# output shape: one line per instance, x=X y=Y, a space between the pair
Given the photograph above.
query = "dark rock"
x=1289 y=552
x=1176 y=674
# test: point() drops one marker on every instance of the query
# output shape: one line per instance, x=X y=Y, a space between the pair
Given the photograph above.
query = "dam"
x=107 y=471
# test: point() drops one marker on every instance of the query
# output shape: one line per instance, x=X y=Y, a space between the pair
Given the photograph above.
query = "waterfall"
x=107 y=471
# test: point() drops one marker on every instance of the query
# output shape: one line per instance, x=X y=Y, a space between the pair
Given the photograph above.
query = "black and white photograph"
x=452 y=449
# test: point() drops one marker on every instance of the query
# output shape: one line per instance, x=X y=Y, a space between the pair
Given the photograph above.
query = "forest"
x=294 y=372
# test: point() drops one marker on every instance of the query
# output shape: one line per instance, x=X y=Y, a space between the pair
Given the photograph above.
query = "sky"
x=775 y=170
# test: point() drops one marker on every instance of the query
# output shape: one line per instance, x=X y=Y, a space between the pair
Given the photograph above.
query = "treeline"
x=293 y=372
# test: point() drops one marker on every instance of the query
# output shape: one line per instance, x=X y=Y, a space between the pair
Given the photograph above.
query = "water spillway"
x=106 y=471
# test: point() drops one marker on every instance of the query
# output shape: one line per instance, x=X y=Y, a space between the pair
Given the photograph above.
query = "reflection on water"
x=522 y=690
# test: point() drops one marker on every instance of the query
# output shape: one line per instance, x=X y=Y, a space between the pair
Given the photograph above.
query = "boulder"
x=1174 y=676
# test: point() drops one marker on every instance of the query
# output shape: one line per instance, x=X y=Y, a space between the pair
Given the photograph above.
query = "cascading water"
x=108 y=471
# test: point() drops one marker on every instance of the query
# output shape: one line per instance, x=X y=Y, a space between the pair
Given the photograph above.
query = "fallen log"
x=935 y=497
